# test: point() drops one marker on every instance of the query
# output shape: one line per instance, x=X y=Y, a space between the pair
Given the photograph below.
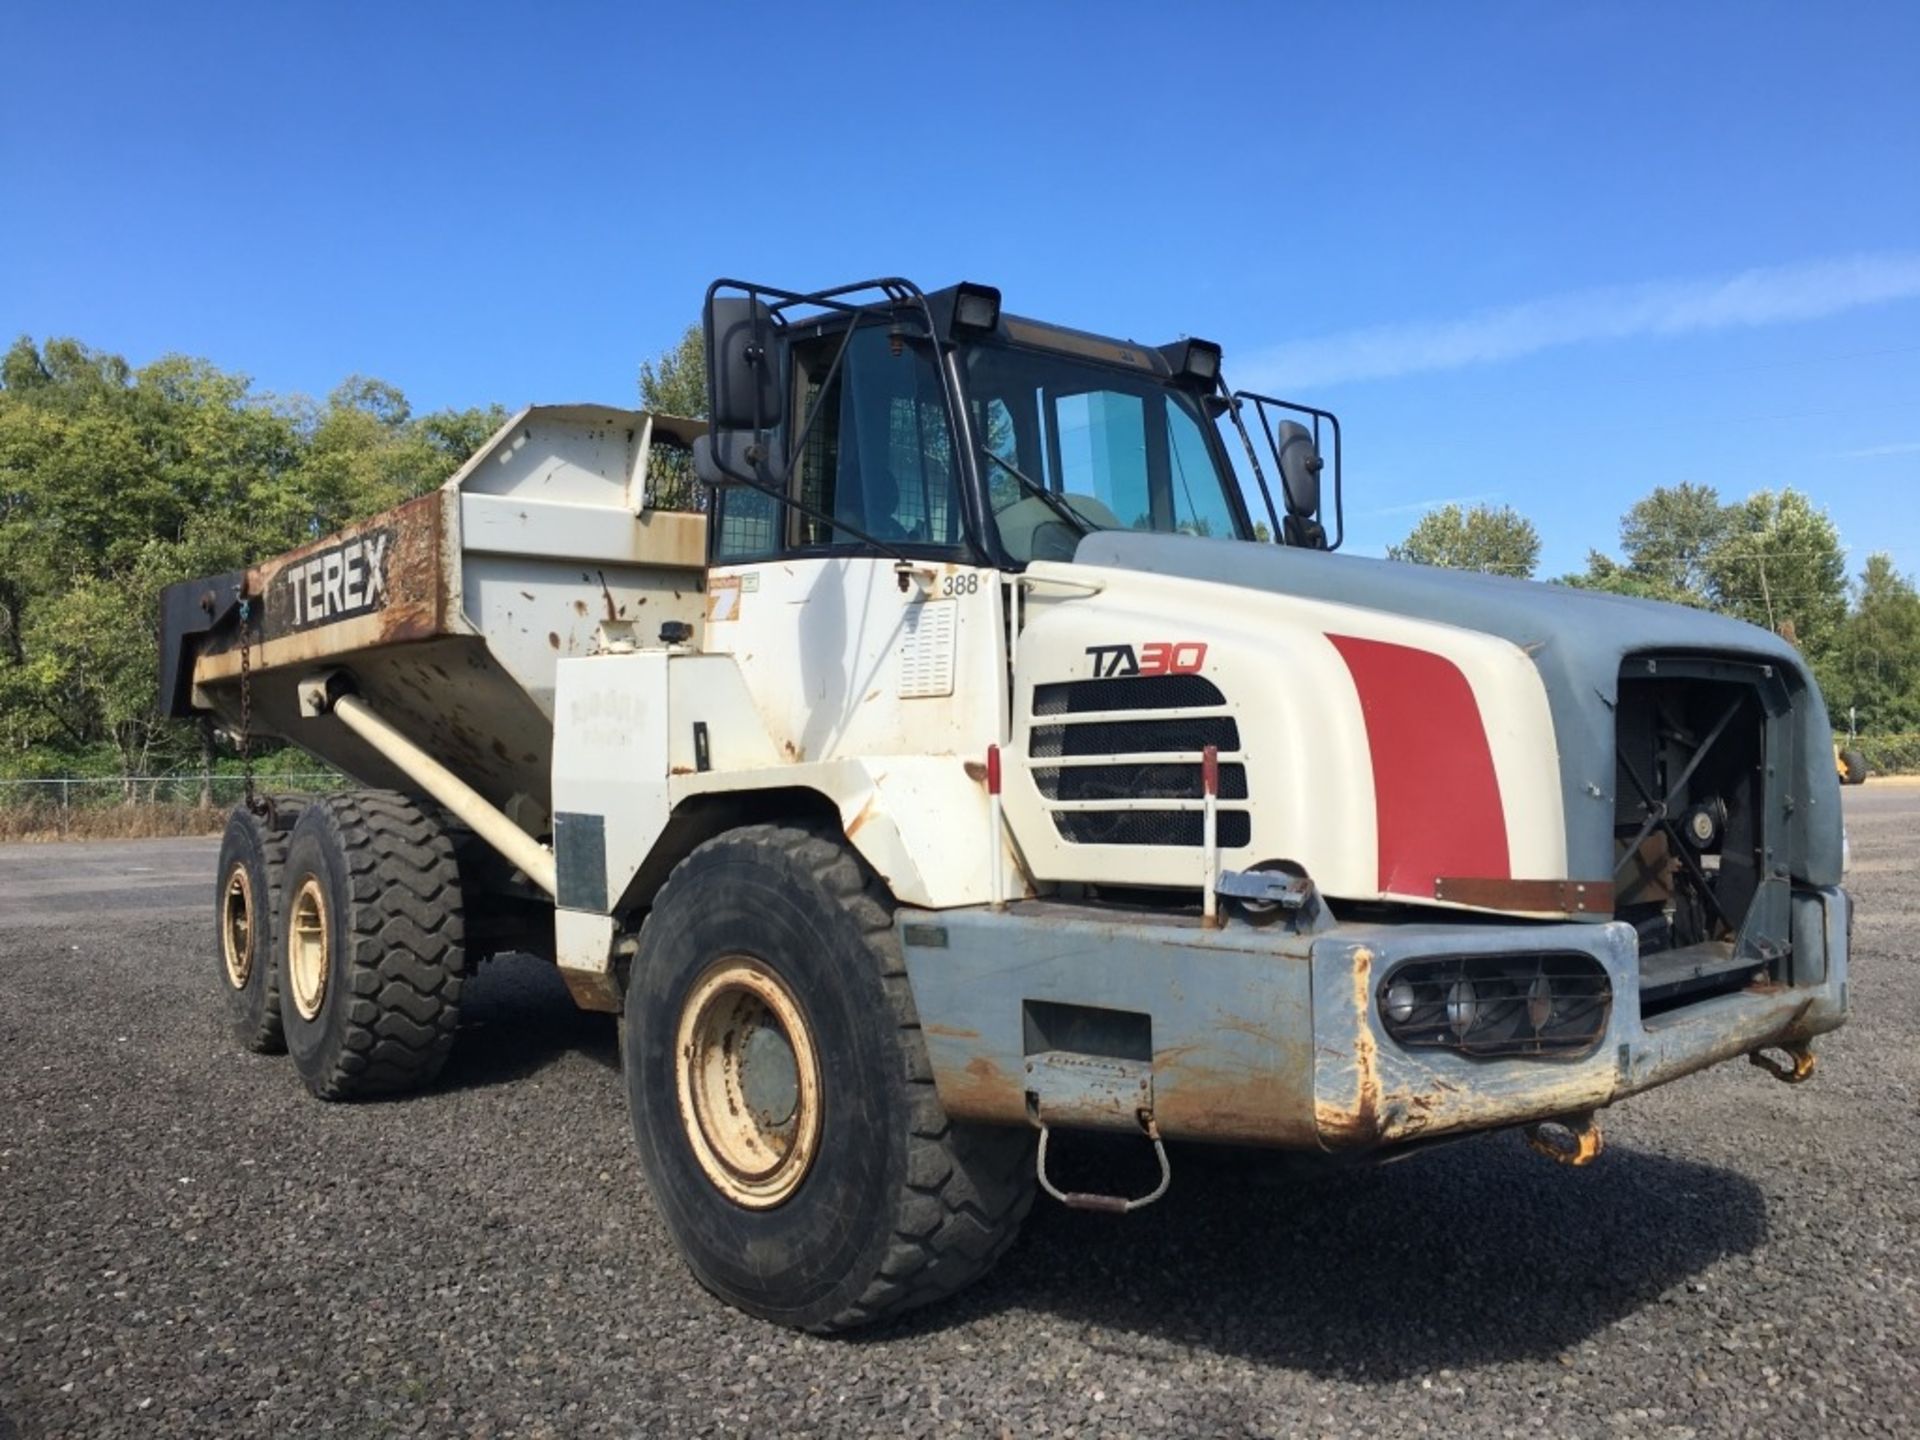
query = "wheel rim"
x=236 y=925
x=749 y=1082
x=307 y=948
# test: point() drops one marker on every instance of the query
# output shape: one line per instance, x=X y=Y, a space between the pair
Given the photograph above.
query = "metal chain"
x=253 y=802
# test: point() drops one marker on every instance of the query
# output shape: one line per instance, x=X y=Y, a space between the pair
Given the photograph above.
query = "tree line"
x=1773 y=559
x=116 y=480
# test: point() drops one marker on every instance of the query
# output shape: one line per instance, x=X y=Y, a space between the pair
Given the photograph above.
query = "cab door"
x=883 y=636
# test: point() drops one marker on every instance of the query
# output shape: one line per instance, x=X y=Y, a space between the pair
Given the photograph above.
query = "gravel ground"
x=189 y=1245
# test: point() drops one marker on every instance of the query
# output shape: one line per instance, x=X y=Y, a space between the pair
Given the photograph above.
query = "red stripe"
x=1436 y=797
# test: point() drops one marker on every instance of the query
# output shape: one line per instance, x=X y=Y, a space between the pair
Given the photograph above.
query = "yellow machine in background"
x=1850 y=764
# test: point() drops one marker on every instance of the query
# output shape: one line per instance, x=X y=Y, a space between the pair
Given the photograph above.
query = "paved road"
x=191 y=1246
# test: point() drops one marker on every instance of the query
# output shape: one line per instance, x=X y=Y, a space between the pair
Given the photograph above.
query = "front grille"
x=1494 y=1006
x=1159 y=799
x=1703 y=833
x=1135 y=782
x=1151 y=692
x=1132 y=737
x=1149 y=827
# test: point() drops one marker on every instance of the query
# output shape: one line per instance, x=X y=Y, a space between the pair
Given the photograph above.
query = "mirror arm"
x=1259 y=476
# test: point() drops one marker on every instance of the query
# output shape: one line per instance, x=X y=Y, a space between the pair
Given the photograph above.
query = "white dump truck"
x=980 y=768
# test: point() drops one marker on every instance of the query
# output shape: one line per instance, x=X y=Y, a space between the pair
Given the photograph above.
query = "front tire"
x=371 y=946
x=782 y=1099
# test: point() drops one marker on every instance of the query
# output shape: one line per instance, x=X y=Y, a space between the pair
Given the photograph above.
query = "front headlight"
x=1546 y=1003
x=1400 y=1002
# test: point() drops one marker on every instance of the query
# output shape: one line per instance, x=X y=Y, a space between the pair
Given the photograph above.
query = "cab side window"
x=879 y=455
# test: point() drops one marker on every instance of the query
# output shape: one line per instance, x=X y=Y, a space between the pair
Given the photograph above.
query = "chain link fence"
x=71 y=807
x=218 y=791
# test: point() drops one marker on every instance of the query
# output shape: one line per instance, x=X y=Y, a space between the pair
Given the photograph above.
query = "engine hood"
x=1577 y=641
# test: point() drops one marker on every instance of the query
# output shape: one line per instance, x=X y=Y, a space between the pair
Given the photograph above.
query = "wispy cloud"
x=1875 y=452
x=1766 y=296
x=1421 y=507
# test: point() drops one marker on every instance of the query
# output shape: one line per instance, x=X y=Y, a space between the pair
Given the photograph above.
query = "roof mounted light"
x=1193 y=362
x=976 y=308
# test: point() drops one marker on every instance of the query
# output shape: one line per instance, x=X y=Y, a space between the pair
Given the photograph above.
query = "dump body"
x=453 y=610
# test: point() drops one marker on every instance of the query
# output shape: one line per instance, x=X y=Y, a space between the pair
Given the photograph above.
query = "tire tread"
x=406 y=960
x=968 y=1187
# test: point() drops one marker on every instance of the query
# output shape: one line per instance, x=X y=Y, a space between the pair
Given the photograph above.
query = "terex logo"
x=349 y=579
x=1156 y=657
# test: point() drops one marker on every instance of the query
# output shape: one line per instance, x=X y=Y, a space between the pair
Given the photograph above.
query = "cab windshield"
x=1111 y=450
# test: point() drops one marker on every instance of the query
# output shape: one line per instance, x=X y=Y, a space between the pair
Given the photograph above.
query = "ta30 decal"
x=1156 y=657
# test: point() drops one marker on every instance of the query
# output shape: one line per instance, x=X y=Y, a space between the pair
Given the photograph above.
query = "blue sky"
x=1542 y=255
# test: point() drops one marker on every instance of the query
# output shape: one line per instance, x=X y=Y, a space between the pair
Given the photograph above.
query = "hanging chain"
x=253 y=802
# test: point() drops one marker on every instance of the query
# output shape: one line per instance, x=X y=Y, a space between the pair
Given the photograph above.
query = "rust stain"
x=579 y=606
x=866 y=814
x=414 y=605
x=1358 y=1121
x=983 y=1091
x=952 y=1032
x=553 y=640
x=976 y=771
x=681 y=770
x=793 y=751
x=1242 y=1105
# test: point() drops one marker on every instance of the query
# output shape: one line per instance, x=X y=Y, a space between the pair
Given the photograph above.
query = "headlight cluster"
x=1550 y=1003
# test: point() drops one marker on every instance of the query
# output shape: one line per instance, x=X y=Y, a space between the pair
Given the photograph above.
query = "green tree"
x=1780 y=564
x=1667 y=539
x=115 y=481
x=1875 y=667
x=675 y=383
x=1495 y=541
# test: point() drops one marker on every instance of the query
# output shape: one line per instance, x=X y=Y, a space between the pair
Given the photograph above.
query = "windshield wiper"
x=1056 y=503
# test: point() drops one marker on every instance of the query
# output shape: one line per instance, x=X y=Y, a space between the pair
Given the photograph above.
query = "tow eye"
x=1797 y=1067
x=1581 y=1145
x=1093 y=1092
x=1108 y=1204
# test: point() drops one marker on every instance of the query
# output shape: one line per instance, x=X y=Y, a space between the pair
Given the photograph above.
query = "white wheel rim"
x=748 y=1082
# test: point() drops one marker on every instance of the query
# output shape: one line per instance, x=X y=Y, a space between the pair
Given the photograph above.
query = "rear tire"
x=1855 y=765
x=371 y=952
x=245 y=921
x=782 y=1099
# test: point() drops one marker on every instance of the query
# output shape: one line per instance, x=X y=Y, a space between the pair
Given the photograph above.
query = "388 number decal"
x=1156 y=657
x=966 y=582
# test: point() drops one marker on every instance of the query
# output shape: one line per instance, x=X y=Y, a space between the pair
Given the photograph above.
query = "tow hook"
x=1797 y=1068
x=1582 y=1145
x=1107 y=1204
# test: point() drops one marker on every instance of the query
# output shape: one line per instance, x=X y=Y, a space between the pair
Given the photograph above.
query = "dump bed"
x=451 y=611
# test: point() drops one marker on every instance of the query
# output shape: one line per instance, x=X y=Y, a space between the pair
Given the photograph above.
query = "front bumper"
x=1262 y=1037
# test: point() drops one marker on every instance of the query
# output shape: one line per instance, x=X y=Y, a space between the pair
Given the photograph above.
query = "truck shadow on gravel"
x=1475 y=1253
x=516 y=1019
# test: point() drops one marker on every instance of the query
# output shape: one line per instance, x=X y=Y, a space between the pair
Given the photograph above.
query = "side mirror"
x=1300 y=465
x=729 y=457
x=743 y=380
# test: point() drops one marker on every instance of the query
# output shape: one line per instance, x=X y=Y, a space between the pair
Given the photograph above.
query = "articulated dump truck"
x=1001 y=754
